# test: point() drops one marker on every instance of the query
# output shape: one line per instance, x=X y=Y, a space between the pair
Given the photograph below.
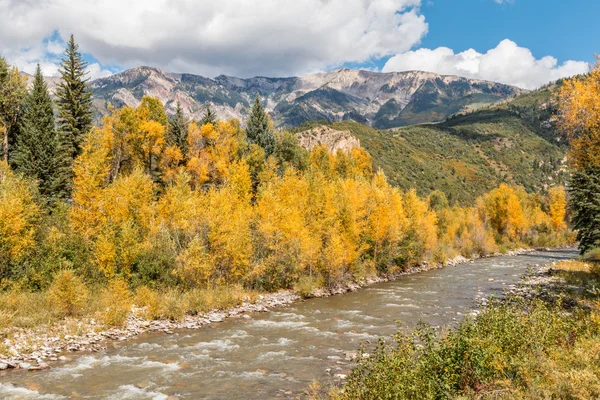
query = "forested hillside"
x=469 y=154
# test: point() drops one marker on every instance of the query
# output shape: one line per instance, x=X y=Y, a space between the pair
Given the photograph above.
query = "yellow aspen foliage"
x=105 y=253
x=557 y=203
x=91 y=171
x=136 y=137
x=195 y=266
x=179 y=210
x=222 y=251
x=129 y=198
x=503 y=210
x=386 y=221
x=363 y=162
x=67 y=294
x=227 y=215
x=322 y=160
x=127 y=212
x=116 y=300
x=282 y=215
x=516 y=221
x=579 y=118
x=422 y=221
x=171 y=163
x=113 y=217
x=228 y=233
x=19 y=214
x=212 y=149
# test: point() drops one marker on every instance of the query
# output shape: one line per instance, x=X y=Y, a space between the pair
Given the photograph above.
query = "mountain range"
x=380 y=100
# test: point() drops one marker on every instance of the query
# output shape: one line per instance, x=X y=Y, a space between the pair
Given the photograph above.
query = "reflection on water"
x=276 y=354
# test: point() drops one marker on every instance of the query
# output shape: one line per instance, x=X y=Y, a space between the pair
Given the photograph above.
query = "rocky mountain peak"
x=382 y=100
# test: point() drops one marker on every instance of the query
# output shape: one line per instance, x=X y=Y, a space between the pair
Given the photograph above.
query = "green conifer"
x=585 y=207
x=258 y=130
x=209 y=116
x=178 y=129
x=13 y=89
x=36 y=154
x=73 y=98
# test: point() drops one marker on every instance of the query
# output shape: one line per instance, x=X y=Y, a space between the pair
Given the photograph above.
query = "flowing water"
x=275 y=354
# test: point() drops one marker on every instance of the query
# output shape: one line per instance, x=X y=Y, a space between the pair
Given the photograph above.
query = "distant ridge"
x=381 y=100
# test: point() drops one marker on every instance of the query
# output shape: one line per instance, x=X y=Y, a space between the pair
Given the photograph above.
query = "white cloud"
x=96 y=71
x=237 y=37
x=506 y=63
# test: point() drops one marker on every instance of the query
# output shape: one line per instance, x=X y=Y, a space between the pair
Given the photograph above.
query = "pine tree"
x=13 y=89
x=585 y=207
x=209 y=116
x=73 y=99
x=258 y=130
x=178 y=130
x=36 y=154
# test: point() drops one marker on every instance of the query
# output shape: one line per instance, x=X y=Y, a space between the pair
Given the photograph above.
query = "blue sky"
x=567 y=30
x=522 y=42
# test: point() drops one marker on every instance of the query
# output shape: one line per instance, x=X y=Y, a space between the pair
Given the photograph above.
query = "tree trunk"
x=5 y=144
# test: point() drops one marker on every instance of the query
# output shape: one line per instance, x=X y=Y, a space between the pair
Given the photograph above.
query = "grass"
x=41 y=312
x=516 y=349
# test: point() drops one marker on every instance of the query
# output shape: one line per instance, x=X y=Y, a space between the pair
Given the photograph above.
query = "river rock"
x=340 y=376
x=3 y=366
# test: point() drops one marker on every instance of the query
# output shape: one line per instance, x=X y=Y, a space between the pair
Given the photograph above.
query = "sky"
x=526 y=43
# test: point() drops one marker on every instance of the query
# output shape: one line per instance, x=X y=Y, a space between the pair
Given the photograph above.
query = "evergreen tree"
x=258 y=130
x=13 y=89
x=36 y=154
x=209 y=116
x=178 y=130
x=585 y=207
x=73 y=99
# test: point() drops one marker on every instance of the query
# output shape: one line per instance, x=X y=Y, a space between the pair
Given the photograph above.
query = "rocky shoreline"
x=33 y=350
x=539 y=276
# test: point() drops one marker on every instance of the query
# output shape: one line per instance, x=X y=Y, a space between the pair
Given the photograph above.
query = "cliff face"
x=382 y=100
x=333 y=139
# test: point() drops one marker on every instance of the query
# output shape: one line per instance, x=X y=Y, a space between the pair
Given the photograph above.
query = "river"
x=275 y=354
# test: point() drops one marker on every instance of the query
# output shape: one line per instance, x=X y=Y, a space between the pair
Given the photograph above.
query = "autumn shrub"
x=516 y=350
x=592 y=254
x=68 y=293
x=307 y=285
x=231 y=296
x=172 y=304
x=222 y=297
x=148 y=301
x=200 y=300
x=116 y=302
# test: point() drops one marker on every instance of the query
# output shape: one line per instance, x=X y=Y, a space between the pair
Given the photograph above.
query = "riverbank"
x=541 y=341
x=35 y=349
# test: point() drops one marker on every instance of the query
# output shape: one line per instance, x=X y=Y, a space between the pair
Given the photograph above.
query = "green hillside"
x=468 y=155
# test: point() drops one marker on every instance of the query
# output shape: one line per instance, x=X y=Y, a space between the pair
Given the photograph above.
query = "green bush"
x=511 y=349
